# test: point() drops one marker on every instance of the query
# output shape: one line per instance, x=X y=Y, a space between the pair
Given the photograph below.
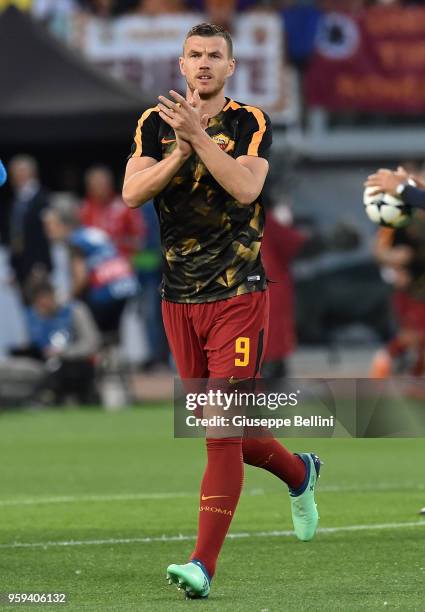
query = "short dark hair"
x=210 y=29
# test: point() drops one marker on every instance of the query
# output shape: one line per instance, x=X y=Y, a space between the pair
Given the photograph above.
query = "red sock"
x=220 y=490
x=267 y=453
x=419 y=366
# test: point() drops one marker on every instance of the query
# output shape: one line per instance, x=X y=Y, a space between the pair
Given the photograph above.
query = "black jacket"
x=34 y=251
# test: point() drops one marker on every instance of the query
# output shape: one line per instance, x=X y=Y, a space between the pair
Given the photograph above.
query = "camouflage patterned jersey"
x=210 y=242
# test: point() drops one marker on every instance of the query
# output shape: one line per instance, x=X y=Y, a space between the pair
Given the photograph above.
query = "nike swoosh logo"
x=205 y=497
x=166 y=141
x=233 y=380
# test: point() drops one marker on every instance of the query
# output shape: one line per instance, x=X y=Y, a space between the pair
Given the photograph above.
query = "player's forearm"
x=395 y=257
x=414 y=196
x=385 y=257
x=237 y=180
x=144 y=185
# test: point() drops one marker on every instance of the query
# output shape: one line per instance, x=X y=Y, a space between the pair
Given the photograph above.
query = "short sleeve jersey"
x=210 y=241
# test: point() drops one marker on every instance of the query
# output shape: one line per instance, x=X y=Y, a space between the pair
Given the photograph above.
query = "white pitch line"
x=233 y=536
x=71 y=499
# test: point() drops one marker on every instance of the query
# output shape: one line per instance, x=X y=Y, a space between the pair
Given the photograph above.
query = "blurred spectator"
x=100 y=8
x=104 y=209
x=58 y=15
x=149 y=270
x=281 y=243
x=221 y=12
x=108 y=8
x=301 y=25
x=100 y=276
x=158 y=7
x=49 y=9
x=24 y=234
x=208 y=6
x=342 y=5
x=126 y=6
x=65 y=338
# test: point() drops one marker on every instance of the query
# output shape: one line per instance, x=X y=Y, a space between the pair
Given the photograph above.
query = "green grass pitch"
x=93 y=504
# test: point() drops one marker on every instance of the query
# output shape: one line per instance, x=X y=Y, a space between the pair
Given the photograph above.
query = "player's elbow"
x=247 y=196
x=131 y=199
x=248 y=190
x=130 y=202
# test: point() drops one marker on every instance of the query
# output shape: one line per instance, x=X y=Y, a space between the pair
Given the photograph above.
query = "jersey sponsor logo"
x=205 y=497
x=167 y=140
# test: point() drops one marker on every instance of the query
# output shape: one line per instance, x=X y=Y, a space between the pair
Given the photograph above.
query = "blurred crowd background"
x=112 y=8
x=343 y=83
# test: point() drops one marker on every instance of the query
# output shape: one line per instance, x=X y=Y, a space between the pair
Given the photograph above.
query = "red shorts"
x=410 y=312
x=222 y=339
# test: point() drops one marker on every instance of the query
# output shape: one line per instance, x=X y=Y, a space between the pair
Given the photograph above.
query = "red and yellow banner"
x=374 y=61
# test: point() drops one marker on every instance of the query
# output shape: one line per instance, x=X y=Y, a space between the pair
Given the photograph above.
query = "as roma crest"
x=224 y=142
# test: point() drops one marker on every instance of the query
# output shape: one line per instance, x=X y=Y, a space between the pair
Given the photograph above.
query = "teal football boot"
x=192 y=578
x=303 y=505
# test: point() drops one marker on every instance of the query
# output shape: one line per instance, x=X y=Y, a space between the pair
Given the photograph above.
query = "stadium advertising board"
x=373 y=62
x=144 y=50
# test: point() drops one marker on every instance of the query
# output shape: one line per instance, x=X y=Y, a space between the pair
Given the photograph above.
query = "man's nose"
x=205 y=61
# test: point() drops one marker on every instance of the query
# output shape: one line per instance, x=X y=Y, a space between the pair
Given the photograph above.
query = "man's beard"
x=210 y=94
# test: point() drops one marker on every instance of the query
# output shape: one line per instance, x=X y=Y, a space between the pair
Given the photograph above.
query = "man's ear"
x=232 y=65
x=181 y=64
